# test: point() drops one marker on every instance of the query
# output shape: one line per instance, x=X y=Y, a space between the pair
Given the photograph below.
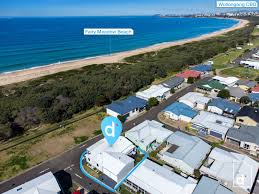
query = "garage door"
x=215 y=134
x=233 y=141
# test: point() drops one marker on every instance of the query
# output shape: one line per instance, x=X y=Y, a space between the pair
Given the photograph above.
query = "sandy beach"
x=27 y=74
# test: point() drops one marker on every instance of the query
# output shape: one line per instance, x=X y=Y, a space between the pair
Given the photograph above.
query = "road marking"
x=43 y=171
x=83 y=146
x=78 y=176
x=67 y=168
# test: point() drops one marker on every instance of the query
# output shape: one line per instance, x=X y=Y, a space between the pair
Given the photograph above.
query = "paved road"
x=69 y=161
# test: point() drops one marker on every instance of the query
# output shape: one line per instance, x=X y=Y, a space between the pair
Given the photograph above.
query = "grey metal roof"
x=192 y=150
x=210 y=186
x=245 y=133
x=225 y=105
x=173 y=82
x=247 y=83
x=236 y=92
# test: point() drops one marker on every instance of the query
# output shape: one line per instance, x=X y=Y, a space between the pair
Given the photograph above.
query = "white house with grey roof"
x=207 y=123
x=185 y=152
x=44 y=184
x=113 y=161
x=236 y=93
x=226 y=81
x=210 y=186
x=235 y=171
x=195 y=100
x=246 y=137
x=148 y=135
x=159 y=92
x=152 y=178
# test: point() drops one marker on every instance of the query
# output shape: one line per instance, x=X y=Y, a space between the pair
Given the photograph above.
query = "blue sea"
x=32 y=42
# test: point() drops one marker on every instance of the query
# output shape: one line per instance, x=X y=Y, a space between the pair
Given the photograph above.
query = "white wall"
x=190 y=104
x=200 y=106
x=253 y=147
x=178 y=164
x=215 y=109
x=167 y=94
x=111 y=113
x=171 y=116
x=185 y=118
x=117 y=178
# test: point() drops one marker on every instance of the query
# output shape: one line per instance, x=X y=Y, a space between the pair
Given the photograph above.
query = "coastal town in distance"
x=134 y=97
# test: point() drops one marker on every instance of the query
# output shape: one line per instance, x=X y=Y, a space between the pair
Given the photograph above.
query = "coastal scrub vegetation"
x=55 y=98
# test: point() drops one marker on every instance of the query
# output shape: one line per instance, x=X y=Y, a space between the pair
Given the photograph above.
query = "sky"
x=105 y=7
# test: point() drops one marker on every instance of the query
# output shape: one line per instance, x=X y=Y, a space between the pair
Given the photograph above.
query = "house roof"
x=230 y=166
x=114 y=158
x=236 y=92
x=125 y=106
x=225 y=105
x=44 y=184
x=217 y=123
x=190 y=149
x=255 y=89
x=154 y=91
x=202 y=68
x=245 y=133
x=115 y=161
x=254 y=97
x=147 y=132
x=228 y=81
x=179 y=108
x=195 y=97
x=122 y=145
x=211 y=84
x=189 y=73
x=210 y=186
x=248 y=111
x=173 y=82
x=247 y=83
x=157 y=179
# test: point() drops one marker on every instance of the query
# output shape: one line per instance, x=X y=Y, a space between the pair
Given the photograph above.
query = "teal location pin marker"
x=111 y=128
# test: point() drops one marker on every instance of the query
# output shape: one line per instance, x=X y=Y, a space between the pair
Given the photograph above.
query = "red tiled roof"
x=255 y=89
x=189 y=73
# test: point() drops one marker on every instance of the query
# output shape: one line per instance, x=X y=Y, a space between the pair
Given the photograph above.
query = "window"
x=246 y=146
x=241 y=120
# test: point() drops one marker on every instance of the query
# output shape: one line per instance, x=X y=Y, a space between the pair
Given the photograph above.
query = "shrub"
x=256 y=104
x=245 y=100
x=80 y=139
x=224 y=94
x=172 y=91
x=197 y=173
x=153 y=102
x=190 y=80
x=121 y=118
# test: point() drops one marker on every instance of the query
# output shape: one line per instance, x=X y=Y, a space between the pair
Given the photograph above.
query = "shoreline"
x=40 y=71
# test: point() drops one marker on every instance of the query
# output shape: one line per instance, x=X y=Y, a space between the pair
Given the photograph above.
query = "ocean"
x=32 y=42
